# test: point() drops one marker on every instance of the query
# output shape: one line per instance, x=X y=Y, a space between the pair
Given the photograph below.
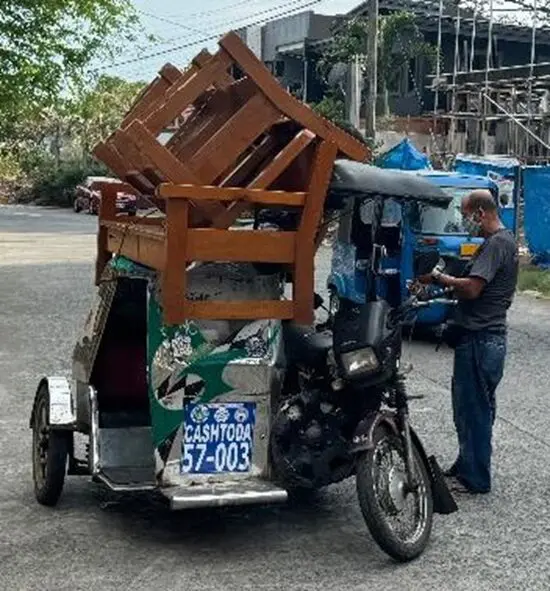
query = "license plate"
x=218 y=438
x=468 y=250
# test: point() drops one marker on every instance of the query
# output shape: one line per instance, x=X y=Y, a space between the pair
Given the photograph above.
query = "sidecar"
x=183 y=409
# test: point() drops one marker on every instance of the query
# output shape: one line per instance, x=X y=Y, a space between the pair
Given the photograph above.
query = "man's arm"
x=466 y=288
x=483 y=271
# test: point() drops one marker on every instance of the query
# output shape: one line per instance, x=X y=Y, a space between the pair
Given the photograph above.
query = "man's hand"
x=425 y=279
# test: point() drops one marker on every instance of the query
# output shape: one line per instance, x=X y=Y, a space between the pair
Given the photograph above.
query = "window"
x=434 y=220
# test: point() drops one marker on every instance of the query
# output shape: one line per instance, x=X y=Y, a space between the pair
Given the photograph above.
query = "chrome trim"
x=242 y=493
x=94 y=432
x=61 y=408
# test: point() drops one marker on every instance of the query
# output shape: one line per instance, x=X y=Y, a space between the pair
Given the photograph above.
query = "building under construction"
x=502 y=110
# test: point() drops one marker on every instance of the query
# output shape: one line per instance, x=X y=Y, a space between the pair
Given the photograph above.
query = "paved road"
x=96 y=541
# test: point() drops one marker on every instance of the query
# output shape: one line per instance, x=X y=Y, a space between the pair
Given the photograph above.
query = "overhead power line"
x=212 y=37
x=212 y=11
x=215 y=25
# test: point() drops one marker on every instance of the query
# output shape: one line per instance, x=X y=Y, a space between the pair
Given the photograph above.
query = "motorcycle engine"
x=308 y=446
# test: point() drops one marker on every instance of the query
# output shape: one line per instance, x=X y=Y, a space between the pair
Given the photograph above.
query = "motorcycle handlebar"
x=414 y=302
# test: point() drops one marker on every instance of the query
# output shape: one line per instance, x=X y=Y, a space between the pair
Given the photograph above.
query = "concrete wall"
x=292 y=29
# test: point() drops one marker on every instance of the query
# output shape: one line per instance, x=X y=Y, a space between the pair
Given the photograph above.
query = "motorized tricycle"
x=409 y=228
x=214 y=413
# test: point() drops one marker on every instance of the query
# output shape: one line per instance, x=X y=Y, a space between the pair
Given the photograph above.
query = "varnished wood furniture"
x=245 y=143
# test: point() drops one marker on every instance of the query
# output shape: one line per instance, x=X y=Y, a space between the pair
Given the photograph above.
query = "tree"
x=98 y=112
x=47 y=45
x=400 y=40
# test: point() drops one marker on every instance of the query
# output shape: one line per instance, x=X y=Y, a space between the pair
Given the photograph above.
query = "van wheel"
x=50 y=450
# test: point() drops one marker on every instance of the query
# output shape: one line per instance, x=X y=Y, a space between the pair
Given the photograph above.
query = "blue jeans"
x=478 y=369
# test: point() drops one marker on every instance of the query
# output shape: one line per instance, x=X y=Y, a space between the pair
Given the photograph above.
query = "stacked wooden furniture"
x=244 y=143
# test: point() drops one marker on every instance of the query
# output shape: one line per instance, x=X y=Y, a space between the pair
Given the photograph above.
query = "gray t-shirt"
x=496 y=262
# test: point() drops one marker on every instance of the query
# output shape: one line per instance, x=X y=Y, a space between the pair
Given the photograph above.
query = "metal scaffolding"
x=495 y=109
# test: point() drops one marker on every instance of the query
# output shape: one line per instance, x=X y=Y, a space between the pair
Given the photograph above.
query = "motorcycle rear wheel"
x=383 y=502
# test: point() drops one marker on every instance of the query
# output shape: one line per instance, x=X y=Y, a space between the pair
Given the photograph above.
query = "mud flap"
x=443 y=500
x=444 y=503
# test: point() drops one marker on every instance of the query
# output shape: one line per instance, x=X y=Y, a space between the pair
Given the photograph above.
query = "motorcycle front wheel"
x=399 y=520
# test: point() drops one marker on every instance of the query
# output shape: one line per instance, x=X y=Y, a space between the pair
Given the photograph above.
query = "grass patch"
x=533 y=278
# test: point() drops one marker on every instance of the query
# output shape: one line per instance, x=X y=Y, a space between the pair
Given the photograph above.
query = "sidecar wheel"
x=399 y=521
x=50 y=450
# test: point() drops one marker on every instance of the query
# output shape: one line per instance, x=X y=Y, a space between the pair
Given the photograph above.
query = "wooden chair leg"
x=304 y=270
x=174 y=277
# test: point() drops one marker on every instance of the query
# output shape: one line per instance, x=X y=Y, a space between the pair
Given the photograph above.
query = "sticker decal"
x=218 y=438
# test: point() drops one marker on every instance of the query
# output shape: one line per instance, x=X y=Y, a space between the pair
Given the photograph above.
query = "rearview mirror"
x=425 y=261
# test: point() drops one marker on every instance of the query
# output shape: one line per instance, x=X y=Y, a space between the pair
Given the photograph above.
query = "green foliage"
x=96 y=113
x=51 y=149
x=47 y=45
x=332 y=107
x=55 y=186
x=10 y=169
x=532 y=278
x=400 y=40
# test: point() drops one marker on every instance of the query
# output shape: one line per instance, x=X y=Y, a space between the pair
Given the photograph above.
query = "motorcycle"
x=218 y=413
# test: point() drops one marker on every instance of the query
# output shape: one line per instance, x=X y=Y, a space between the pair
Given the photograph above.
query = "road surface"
x=98 y=541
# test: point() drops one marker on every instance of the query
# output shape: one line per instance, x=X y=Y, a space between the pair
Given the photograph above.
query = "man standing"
x=485 y=293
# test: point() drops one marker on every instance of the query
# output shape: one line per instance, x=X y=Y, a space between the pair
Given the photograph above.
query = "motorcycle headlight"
x=359 y=362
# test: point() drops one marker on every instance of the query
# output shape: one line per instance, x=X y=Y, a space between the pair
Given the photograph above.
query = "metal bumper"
x=244 y=492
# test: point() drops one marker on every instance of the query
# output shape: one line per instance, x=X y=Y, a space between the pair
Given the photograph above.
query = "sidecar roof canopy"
x=358 y=179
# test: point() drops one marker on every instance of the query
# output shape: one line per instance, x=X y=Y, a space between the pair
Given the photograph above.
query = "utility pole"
x=372 y=69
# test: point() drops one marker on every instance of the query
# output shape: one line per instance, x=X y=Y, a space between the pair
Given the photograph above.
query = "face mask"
x=472 y=225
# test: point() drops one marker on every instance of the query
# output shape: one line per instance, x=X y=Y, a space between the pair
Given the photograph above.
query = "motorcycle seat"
x=304 y=345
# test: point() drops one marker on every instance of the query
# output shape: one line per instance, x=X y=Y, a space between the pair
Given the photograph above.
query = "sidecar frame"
x=118 y=443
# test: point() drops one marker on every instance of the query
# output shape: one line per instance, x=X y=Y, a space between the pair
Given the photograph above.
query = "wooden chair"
x=246 y=143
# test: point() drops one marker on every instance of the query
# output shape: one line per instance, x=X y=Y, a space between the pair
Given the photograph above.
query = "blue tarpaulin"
x=504 y=170
x=505 y=166
x=404 y=156
x=536 y=194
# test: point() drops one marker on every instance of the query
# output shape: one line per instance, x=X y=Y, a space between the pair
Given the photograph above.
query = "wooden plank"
x=219 y=109
x=139 y=248
x=268 y=176
x=174 y=170
x=286 y=103
x=199 y=193
x=253 y=246
x=174 y=276
x=135 y=158
x=151 y=94
x=287 y=155
x=114 y=161
x=188 y=92
x=107 y=211
x=250 y=163
x=190 y=129
x=202 y=59
x=111 y=158
x=224 y=148
x=240 y=310
x=148 y=231
x=304 y=269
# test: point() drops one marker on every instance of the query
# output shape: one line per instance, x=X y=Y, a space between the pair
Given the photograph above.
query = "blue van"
x=414 y=228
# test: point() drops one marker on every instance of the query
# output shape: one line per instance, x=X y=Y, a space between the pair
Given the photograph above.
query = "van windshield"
x=434 y=220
